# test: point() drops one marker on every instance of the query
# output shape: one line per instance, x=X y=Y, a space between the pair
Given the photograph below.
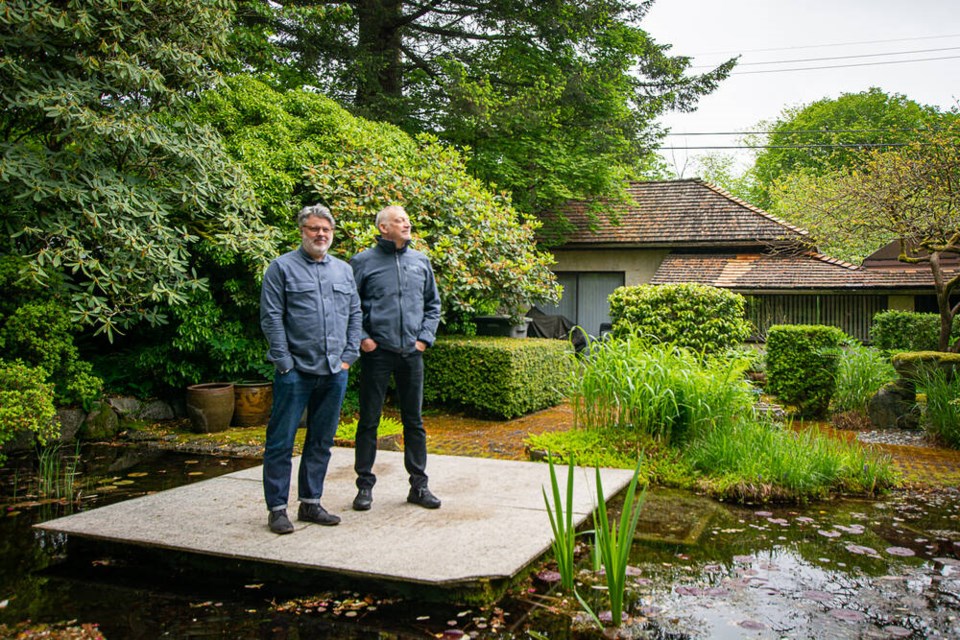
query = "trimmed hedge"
x=910 y=364
x=503 y=377
x=698 y=317
x=908 y=331
x=802 y=363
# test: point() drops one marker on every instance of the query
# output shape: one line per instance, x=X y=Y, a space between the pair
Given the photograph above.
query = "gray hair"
x=317 y=210
x=393 y=208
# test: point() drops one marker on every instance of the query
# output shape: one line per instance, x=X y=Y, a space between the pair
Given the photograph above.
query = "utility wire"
x=805 y=131
x=850 y=57
x=818 y=46
x=853 y=145
x=841 y=66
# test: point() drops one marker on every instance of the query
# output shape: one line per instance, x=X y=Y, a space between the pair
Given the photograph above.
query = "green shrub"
x=802 y=363
x=912 y=364
x=695 y=316
x=208 y=341
x=909 y=331
x=658 y=391
x=861 y=372
x=41 y=335
x=26 y=403
x=504 y=377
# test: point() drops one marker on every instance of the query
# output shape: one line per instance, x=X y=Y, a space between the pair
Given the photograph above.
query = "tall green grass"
x=942 y=409
x=754 y=458
x=658 y=390
x=861 y=372
x=560 y=512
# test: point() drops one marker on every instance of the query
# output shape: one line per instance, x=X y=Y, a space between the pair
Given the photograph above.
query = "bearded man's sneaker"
x=316 y=514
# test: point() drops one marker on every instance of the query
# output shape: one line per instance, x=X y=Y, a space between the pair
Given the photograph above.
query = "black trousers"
x=376 y=367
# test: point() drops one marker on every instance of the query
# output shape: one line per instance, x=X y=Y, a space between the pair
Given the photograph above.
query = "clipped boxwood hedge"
x=699 y=317
x=802 y=363
x=908 y=331
x=503 y=377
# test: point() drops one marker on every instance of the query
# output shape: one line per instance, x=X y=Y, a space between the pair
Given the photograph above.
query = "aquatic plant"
x=561 y=523
x=56 y=477
x=614 y=543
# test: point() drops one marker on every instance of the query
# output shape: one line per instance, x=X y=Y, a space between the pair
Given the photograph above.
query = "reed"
x=660 y=390
x=861 y=372
x=560 y=512
x=56 y=474
x=942 y=408
x=759 y=458
x=614 y=542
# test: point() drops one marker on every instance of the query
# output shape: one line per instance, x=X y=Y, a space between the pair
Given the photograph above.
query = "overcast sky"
x=858 y=37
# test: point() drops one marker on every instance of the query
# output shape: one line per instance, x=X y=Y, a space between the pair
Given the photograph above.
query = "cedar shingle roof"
x=676 y=213
x=808 y=270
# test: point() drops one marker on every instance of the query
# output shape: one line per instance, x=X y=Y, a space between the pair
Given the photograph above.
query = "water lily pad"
x=751 y=624
x=900 y=551
x=828 y=534
x=763 y=514
x=861 y=550
x=817 y=595
x=894 y=631
x=123 y=483
x=138 y=474
x=849 y=615
x=549 y=576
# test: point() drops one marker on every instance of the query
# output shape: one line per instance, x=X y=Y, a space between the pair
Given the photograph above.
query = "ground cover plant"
x=695 y=423
x=941 y=409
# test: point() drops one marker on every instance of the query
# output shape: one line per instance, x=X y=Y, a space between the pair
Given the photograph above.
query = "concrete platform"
x=493 y=522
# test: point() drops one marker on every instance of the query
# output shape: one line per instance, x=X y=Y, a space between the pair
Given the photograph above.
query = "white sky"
x=778 y=30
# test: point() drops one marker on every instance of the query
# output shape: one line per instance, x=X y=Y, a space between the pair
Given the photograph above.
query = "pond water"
x=699 y=569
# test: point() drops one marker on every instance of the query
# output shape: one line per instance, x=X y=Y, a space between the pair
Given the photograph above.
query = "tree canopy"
x=301 y=147
x=834 y=133
x=555 y=100
x=911 y=194
x=102 y=178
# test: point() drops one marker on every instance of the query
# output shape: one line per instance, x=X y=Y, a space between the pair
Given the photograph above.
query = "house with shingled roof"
x=677 y=231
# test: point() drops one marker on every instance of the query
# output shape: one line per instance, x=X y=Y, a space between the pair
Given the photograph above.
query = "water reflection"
x=701 y=569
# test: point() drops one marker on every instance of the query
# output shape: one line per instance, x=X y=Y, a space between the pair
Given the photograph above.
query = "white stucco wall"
x=637 y=265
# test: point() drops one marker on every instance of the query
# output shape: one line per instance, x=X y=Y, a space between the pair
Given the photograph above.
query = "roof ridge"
x=822 y=257
x=752 y=207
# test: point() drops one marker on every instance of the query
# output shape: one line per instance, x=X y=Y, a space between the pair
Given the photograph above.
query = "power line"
x=850 y=57
x=854 y=145
x=805 y=131
x=842 y=66
x=818 y=46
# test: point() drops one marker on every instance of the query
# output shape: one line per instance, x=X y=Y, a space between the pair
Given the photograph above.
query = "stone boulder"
x=894 y=407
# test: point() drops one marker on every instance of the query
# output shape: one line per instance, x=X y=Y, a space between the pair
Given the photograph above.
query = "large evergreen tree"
x=556 y=99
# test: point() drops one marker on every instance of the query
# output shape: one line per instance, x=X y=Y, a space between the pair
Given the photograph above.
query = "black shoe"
x=423 y=497
x=279 y=522
x=316 y=513
x=363 y=500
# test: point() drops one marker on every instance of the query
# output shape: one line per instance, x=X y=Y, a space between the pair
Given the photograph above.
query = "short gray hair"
x=393 y=208
x=317 y=210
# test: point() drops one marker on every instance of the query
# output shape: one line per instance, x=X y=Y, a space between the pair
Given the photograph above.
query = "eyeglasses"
x=315 y=230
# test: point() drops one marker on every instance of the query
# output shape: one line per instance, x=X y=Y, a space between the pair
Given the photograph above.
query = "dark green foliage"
x=26 y=403
x=698 y=317
x=301 y=147
x=505 y=377
x=210 y=342
x=104 y=180
x=36 y=329
x=908 y=331
x=802 y=362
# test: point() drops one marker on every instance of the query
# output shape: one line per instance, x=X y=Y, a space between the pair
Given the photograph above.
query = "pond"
x=700 y=569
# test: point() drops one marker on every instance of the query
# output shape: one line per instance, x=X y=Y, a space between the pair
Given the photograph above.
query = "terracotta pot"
x=210 y=406
x=252 y=402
